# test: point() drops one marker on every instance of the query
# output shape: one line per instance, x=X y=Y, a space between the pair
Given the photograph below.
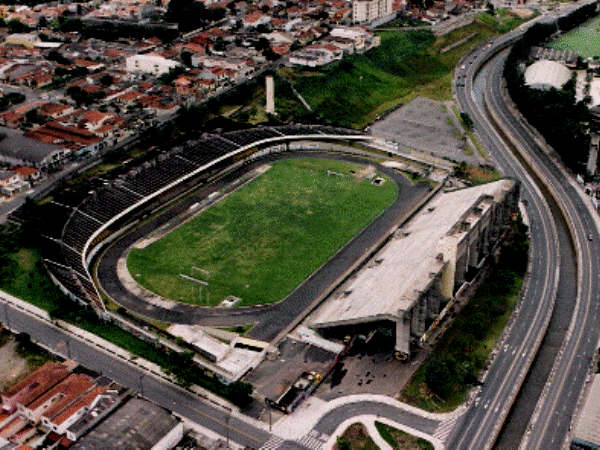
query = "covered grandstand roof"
x=545 y=74
x=396 y=275
x=587 y=430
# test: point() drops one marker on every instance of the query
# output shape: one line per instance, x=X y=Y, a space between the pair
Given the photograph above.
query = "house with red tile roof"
x=57 y=398
x=62 y=420
x=34 y=385
x=31 y=174
x=55 y=110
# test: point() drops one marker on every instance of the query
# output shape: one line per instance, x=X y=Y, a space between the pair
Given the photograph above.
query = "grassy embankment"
x=355 y=438
x=354 y=91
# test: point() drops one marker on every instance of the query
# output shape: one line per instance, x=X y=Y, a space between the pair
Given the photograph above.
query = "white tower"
x=270 y=95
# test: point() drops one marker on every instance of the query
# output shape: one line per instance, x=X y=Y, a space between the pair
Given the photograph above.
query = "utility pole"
x=6 y=315
x=227 y=427
x=142 y=375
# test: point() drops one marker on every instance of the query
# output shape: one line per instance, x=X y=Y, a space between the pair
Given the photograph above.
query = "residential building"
x=137 y=425
x=368 y=10
x=33 y=385
x=17 y=149
x=57 y=398
x=12 y=183
x=152 y=63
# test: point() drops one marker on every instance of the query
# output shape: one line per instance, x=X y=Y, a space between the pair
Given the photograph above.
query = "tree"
x=58 y=57
x=262 y=44
x=466 y=120
x=439 y=375
x=106 y=79
x=186 y=57
x=42 y=22
x=16 y=26
x=189 y=14
x=270 y=54
x=32 y=116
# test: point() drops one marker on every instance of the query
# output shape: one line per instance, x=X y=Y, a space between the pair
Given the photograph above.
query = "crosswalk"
x=442 y=432
x=273 y=443
x=313 y=440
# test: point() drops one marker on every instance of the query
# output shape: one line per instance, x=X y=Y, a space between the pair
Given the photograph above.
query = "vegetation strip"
x=441 y=384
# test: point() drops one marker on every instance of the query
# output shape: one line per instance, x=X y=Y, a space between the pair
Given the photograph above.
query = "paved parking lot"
x=424 y=124
x=272 y=377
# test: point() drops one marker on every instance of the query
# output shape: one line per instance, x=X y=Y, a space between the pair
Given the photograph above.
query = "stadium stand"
x=69 y=236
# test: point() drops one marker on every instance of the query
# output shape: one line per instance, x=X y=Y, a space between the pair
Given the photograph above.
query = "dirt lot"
x=15 y=364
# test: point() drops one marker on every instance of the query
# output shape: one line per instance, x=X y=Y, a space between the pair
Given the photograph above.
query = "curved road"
x=550 y=424
x=270 y=319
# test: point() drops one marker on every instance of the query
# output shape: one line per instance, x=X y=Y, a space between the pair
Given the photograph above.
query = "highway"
x=486 y=415
x=550 y=424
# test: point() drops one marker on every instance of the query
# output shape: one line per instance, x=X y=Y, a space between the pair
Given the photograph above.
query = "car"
x=590 y=237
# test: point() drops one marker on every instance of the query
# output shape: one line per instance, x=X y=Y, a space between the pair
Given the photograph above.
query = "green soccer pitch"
x=584 y=40
x=260 y=242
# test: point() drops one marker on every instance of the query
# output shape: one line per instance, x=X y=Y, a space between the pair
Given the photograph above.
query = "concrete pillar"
x=403 y=333
x=270 y=95
x=434 y=300
x=419 y=314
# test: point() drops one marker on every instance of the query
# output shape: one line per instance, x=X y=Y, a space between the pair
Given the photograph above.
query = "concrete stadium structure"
x=78 y=229
x=405 y=286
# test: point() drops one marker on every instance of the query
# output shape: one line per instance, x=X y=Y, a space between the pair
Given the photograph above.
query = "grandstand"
x=77 y=228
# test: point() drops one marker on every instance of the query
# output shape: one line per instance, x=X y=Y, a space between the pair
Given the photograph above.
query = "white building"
x=545 y=74
x=368 y=10
x=149 y=63
x=361 y=38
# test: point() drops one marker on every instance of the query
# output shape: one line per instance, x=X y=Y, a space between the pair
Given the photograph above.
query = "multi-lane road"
x=504 y=132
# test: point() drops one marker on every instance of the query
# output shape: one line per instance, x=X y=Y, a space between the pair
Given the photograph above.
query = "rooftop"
x=63 y=393
x=38 y=382
x=15 y=145
x=137 y=425
x=588 y=425
x=403 y=268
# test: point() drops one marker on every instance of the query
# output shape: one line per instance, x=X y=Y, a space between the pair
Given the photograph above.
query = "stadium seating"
x=74 y=223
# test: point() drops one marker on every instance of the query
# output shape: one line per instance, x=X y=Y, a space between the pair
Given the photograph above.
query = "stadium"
x=83 y=230
x=88 y=251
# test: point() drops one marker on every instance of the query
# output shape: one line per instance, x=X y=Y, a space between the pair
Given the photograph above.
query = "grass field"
x=355 y=437
x=263 y=240
x=584 y=40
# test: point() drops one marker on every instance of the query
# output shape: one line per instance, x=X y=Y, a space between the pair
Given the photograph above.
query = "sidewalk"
x=305 y=418
x=109 y=348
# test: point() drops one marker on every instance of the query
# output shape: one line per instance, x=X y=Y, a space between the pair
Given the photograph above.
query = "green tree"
x=466 y=120
x=16 y=26
x=439 y=375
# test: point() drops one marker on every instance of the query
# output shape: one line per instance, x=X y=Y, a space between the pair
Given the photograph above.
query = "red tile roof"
x=63 y=393
x=36 y=383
